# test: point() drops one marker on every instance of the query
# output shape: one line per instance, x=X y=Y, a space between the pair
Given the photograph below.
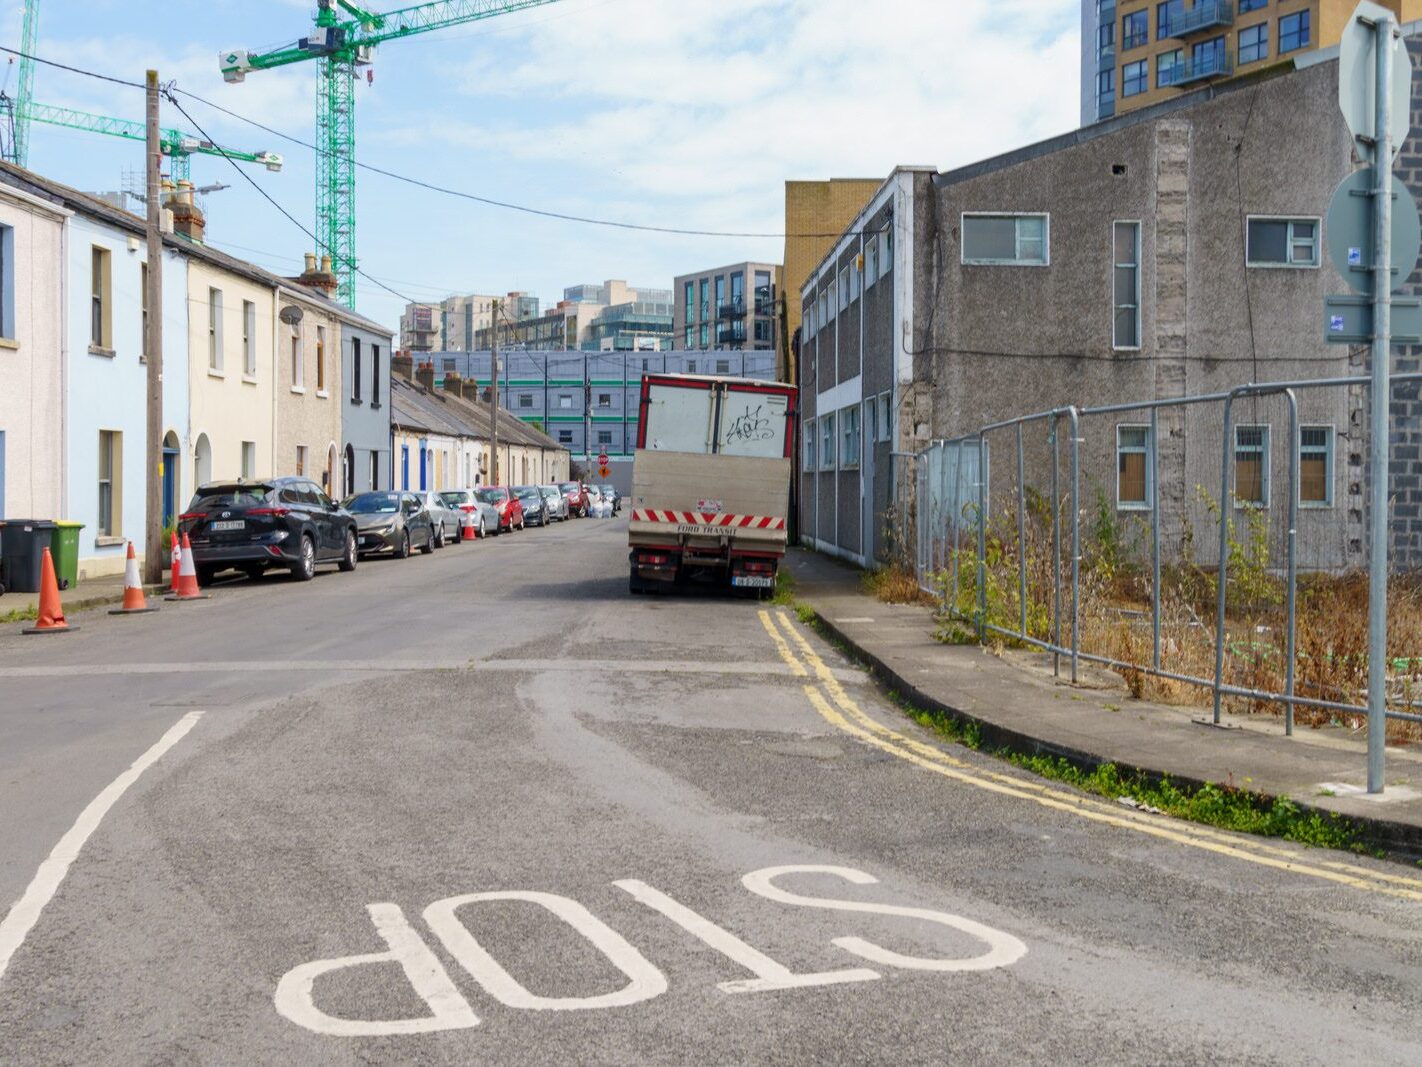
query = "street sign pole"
x=1381 y=404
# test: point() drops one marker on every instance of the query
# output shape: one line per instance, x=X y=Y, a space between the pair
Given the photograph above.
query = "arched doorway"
x=202 y=461
x=348 y=473
x=171 y=458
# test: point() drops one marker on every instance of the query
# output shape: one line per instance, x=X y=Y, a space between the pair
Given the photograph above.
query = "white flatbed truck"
x=710 y=482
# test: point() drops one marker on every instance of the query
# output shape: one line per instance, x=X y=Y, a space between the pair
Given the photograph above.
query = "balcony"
x=734 y=334
x=1205 y=16
x=735 y=309
x=1217 y=63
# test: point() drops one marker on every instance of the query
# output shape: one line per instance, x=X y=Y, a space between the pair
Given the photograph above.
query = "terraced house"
x=74 y=325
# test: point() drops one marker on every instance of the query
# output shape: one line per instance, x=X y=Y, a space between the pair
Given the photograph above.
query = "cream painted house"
x=32 y=327
x=231 y=313
x=308 y=391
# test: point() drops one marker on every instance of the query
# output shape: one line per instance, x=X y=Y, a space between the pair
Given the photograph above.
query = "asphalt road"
x=485 y=807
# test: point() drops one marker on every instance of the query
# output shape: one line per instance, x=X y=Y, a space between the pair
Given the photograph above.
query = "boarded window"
x=1316 y=466
x=1251 y=465
x=1133 y=466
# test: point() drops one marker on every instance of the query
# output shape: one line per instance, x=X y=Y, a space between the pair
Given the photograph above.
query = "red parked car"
x=577 y=496
x=505 y=501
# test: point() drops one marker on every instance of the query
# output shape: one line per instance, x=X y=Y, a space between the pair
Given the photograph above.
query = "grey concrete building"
x=365 y=410
x=1176 y=251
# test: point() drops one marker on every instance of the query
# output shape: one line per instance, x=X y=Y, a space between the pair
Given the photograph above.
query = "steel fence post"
x=1056 y=552
x=1221 y=585
x=1291 y=596
x=982 y=537
x=1075 y=541
x=1021 y=535
x=957 y=515
x=1155 y=537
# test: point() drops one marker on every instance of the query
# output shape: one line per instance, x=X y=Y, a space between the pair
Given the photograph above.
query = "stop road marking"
x=449 y=1010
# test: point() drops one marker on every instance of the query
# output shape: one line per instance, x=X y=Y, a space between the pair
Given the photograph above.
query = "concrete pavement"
x=1019 y=705
x=484 y=806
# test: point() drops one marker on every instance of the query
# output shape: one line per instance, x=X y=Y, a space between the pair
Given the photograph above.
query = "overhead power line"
x=444 y=190
x=168 y=93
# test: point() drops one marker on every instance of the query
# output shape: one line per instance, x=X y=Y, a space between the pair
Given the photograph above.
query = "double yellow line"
x=840 y=710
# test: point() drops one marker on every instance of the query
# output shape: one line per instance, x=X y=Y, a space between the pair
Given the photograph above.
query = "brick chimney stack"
x=188 y=219
x=424 y=374
x=322 y=277
x=402 y=365
x=453 y=383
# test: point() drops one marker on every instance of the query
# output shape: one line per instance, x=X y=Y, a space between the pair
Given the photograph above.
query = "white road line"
x=26 y=911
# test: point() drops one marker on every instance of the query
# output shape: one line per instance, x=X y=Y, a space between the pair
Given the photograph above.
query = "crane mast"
x=343 y=40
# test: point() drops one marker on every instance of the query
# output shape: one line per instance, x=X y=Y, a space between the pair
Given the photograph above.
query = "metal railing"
x=1205 y=15
x=953 y=508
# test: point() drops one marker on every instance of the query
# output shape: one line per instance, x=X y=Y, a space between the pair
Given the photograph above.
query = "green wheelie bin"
x=64 y=550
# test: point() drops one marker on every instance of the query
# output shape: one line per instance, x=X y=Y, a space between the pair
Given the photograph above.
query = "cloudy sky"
x=659 y=112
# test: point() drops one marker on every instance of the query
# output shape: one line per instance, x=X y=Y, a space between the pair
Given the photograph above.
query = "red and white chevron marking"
x=701 y=518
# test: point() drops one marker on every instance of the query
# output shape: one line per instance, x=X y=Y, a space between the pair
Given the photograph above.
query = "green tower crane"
x=344 y=39
x=178 y=146
x=24 y=91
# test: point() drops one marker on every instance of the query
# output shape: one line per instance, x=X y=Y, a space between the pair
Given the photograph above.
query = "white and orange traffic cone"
x=187 y=577
x=51 y=612
x=134 y=602
x=467 y=530
x=177 y=562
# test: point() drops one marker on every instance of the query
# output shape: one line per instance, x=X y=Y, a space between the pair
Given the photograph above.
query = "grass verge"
x=1225 y=807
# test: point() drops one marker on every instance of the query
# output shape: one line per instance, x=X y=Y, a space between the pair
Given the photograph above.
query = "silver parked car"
x=444 y=517
x=557 y=502
x=391 y=522
x=486 y=516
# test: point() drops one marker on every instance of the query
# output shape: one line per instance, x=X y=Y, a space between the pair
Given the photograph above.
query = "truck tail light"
x=757 y=566
x=653 y=559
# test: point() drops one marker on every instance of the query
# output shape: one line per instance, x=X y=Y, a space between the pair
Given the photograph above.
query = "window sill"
x=357 y=401
x=99 y=350
x=108 y=542
x=323 y=394
x=1251 y=505
x=374 y=406
x=1282 y=266
x=249 y=379
x=1315 y=505
x=9 y=343
x=1132 y=506
x=216 y=373
x=299 y=390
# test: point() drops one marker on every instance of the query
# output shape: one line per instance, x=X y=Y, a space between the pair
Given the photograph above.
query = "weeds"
x=1014 y=588
x=784 y=594
x=27 y=614
x=894 y=584
x=1214 y=805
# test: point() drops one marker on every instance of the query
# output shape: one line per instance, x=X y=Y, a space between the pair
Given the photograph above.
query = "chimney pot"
x=310 y=262
x=326 y=265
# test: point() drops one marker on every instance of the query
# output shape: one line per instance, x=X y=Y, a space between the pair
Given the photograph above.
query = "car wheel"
x=429 y=545
x=483 y=533
x=439 y=537
x=403 y=551
x=305 y=567
x=349 y=556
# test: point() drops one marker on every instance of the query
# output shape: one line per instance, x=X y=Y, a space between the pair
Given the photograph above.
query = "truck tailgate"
x=707 y=498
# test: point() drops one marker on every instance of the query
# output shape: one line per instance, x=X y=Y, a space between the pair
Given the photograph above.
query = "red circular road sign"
x=602 y=459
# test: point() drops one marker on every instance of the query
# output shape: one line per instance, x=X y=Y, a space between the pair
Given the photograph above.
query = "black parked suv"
x=280 y=522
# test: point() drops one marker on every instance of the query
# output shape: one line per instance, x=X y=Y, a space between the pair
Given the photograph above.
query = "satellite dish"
x=291 y=314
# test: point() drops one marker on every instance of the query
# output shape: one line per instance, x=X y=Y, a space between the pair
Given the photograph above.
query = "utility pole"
x=153 y=348
x=1381 y=406
x=494 y=397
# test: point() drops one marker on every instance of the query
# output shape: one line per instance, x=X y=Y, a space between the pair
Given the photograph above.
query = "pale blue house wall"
x=365 y=409
x=107 y=390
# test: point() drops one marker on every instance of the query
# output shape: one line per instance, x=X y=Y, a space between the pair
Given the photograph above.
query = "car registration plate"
x=753 y=581
x=229 y=524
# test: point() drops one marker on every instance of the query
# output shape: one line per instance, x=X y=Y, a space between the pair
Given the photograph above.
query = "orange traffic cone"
x=51 y=611
x=134 y=602
x=187 y=577
x=177 y=561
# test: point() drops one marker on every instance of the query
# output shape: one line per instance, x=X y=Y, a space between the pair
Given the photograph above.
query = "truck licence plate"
x=753 y=581
x=229 y=524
